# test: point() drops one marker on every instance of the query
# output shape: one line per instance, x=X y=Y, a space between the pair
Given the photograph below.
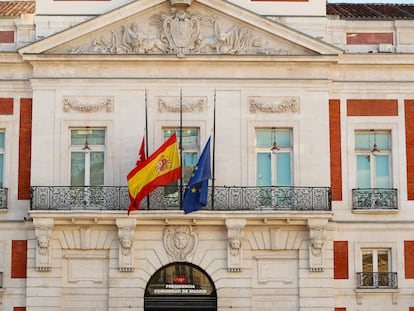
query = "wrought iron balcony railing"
x=3 y=198
x=377 y=280
x=167 y=198
x=374 y=198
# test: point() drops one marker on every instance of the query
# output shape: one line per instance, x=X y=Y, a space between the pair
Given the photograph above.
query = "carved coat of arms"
x=181 y=30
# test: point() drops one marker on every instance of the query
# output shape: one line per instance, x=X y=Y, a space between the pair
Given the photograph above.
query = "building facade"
x=310 y=107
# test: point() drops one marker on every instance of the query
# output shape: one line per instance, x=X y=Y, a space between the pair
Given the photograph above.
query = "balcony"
x=375 y=280
x=374 y=199
x=3 y=198
x=223 y=198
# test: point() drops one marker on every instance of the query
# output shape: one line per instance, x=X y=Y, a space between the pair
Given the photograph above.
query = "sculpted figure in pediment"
x=180 y=32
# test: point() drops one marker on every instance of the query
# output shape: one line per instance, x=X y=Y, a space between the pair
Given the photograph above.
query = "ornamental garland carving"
x=179 y=32
x=188 y=104
x=87 y=104
x=269 y=104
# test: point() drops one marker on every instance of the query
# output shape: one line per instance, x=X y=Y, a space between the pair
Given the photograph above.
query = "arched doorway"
x=180 y=286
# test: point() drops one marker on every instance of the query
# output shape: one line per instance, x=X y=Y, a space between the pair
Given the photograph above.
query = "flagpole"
x=213 y=179
x=181 y=147
x=146 y=136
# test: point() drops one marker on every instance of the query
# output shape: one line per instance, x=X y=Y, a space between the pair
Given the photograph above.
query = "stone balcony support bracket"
x=43 y=230
x=316 y=243
x=126 y=231
x=235 y=232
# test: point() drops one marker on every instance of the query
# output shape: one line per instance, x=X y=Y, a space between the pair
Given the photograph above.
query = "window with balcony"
x=3 y=191
x=373 y=171
x=189 y=143
x=274 y=157
x=1 y=159
x=87 y=154
x=376 y=269
x=190 y=148
x=87 y=162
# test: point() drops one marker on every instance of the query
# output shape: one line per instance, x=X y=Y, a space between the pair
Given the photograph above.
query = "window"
x=87 y=156
x=1 y=159
x=376 y=269
x=190 y=148
x=274 y=168
x=373 y=168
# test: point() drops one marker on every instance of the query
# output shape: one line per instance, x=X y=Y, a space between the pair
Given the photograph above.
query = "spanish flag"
x=160 y=169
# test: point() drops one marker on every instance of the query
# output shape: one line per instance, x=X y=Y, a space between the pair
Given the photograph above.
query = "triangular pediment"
x=155 y=27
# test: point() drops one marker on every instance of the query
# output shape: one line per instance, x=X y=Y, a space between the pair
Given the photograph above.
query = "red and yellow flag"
x=160 y=169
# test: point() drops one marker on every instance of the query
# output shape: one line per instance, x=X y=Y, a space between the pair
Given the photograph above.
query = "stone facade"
x=226 y=69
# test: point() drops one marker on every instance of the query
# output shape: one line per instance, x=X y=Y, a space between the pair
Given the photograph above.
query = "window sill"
x=361 y=292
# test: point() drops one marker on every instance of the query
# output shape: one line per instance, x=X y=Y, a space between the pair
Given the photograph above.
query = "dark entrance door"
x=180 y=286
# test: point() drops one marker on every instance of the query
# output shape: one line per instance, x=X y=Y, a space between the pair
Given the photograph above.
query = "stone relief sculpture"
x=235 y=234
x=87 y=104
x=189 y=104
x=126 y=231
x=43 y=231
x=316 y=242
x=269 y=104
x=180 y=32
x=180 y=242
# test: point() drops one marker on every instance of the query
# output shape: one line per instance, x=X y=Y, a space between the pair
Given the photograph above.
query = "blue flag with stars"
x=195 y=195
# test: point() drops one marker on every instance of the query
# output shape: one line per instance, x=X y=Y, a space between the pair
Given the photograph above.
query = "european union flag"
x=195 y=195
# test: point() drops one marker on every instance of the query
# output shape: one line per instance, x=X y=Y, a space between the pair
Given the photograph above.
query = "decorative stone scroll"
x=43 y=231
x=179 y=32
x=235 y=234
x=316 y=242
x=126 y=230
x=87 y=104
x=189 y=104
x=180 y=242
x=268 y=104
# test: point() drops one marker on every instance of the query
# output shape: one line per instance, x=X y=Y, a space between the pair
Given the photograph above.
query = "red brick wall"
x=409 y=259
x=19 y=309
x=340 y=309
x=340 y=259
x=335 y=148
x=372 y=107
x=19 y=259
x=409 y=145
x=25 y=143
x=369 y=38
x=411 y=309
x=6 y=106
x=6 y=36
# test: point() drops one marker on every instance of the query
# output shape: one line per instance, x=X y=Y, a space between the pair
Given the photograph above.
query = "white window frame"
x=373 y=157
x=94 y=148
x=273 y=165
